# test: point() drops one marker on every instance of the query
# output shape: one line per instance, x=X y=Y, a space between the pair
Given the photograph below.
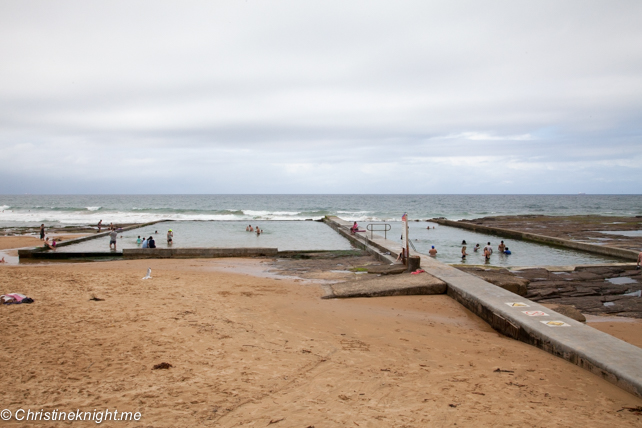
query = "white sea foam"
x=270 y=213
x=86 y=217
x=93 y=208
x=4 y=207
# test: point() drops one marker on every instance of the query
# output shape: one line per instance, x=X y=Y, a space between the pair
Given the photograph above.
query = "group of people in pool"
x=151 y=243
x=251 y=229
x=488 y=250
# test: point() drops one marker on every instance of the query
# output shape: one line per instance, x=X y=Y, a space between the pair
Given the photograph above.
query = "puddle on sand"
x=631 y=233
x=604 y=318
x=621 y=280
x=10 y=256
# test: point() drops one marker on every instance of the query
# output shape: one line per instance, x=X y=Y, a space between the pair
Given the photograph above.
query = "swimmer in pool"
x=432 y=251
x=489 y=249
x=487 y=252
x=463 y=252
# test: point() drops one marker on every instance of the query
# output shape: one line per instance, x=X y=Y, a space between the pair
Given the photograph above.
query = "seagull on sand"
x=149 y=273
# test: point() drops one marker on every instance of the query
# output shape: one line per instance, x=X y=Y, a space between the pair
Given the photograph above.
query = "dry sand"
x=249 y=350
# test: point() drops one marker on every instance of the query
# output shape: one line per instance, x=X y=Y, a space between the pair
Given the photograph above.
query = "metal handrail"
x=357 y=236
x=386 y=228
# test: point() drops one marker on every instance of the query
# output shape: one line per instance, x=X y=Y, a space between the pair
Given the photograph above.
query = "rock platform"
x=390 y=285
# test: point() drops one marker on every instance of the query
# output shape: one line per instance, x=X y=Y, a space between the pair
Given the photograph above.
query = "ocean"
x=32 y=210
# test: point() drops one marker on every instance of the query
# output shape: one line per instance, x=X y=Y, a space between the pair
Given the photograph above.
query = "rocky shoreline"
x=594 y=290
x=593 y=229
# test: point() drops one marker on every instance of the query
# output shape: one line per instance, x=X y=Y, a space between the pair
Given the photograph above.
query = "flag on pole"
x=404 y=217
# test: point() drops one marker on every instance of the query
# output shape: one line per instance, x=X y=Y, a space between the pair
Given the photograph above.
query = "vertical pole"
x=404 y=225
x=407 y=249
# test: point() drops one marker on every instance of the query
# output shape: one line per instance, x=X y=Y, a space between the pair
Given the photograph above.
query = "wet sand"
x=627 y=329
x=256 y=351
x=9 y=242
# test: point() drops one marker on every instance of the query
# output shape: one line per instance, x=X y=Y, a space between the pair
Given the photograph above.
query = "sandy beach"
x=250 y=350
x=11 y=242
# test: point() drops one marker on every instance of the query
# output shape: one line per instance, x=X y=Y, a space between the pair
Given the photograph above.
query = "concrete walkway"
x=613 y=359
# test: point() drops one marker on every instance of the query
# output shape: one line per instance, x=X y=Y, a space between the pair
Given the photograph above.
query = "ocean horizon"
x=31 y=210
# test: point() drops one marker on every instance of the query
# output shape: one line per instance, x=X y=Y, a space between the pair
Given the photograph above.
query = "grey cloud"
x=292 y=97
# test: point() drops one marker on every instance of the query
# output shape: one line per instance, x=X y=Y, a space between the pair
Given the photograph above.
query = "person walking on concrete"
x=639 y=260
x=113 y=235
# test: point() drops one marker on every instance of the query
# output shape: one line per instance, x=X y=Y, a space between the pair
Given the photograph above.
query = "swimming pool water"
x=313 y=235
x=284 y=235
x=448 y=242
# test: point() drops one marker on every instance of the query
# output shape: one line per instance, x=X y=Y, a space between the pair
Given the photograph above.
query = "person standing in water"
x=501 y=247
x=463 y=253
x=489 y=249
x=113 y=235
x=170 y=237
x=487 y=252
x=433 y=251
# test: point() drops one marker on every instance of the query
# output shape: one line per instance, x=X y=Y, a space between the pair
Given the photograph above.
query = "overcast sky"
x=321 y=96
